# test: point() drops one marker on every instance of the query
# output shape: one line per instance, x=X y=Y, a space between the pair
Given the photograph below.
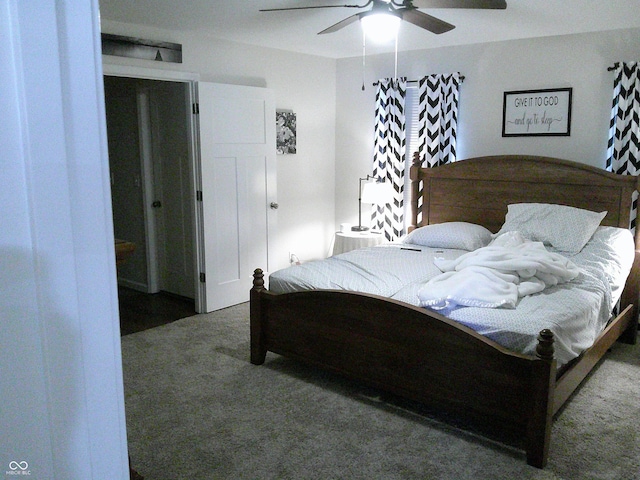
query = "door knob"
x=156 y=204
x=274 y=205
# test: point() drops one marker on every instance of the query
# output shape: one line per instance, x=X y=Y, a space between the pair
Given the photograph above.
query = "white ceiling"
x=241 y=21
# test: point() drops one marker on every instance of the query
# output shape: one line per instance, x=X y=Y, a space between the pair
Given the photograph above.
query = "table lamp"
x=378 y=192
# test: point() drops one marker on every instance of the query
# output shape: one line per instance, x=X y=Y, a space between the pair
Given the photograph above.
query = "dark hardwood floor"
x=140 y=311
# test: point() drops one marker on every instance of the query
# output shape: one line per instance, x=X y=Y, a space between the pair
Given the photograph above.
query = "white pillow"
x=508 y=239
x=458 y=235
x=566 y=228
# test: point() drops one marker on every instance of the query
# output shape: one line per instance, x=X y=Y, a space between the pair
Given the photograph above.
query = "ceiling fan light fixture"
x=380 y=27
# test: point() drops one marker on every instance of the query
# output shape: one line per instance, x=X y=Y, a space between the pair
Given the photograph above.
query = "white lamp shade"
x=379 y=193
x=380 y=27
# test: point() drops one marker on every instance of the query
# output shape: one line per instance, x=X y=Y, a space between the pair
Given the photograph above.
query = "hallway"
x=140 y=311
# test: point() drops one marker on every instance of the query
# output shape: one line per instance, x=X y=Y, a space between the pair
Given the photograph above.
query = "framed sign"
x=537 y=112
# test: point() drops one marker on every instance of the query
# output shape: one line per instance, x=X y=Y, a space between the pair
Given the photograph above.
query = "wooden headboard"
x=478 y=190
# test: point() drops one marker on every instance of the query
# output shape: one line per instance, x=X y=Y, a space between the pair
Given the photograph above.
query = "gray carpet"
x=197 y=409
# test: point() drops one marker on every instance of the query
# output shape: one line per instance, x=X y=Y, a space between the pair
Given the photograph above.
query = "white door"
x=238 y=178
x=173 y=188
x=166 y=186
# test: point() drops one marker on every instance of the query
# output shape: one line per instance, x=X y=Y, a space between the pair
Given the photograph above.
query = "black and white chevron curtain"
x=437 y=129
x=438 y=119
x=624 y=130
x=389 y=153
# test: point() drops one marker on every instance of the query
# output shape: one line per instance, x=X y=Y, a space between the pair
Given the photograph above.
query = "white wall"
x=577 y=61
x=61 y=392
x=334 y=114
x=302 y=83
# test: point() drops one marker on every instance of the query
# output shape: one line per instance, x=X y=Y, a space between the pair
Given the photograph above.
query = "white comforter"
x=496 y=276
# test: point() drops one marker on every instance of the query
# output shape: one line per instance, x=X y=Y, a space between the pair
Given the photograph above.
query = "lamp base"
x=359 y=228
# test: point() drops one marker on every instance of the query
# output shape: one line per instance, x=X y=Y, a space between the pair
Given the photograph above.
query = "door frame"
x=191 y=79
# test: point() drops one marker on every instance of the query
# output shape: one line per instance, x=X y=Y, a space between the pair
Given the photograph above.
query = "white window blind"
x=412 y=102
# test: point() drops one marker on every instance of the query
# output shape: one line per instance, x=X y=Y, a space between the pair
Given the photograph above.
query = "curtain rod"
x=416 y=81
x=615 y=65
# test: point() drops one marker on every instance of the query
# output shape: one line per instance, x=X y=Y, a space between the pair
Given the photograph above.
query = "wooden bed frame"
x=423 y=356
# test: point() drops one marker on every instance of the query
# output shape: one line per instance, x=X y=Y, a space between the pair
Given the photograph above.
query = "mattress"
x=576 y=312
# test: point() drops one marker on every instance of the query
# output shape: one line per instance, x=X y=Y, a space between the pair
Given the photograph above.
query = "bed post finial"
x=416 y=158
x=258 y=279
x=414 y=175
x=545 y=350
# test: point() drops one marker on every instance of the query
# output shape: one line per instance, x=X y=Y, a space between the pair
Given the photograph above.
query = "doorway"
x=152 y=183
x=232 y=207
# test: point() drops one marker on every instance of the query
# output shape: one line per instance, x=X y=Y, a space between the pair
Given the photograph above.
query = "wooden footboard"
x=413 y=353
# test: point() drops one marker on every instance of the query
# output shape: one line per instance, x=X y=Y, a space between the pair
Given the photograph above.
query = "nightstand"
x=346 y=241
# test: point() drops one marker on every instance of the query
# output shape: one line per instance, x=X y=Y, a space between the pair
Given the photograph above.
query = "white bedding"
x=575 y=311
x=382 y=270
x=496 y=276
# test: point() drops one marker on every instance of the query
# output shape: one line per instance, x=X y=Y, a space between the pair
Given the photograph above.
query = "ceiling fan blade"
x=494 y=4
x=314 y=6
x=425 y=21
x=341 y=24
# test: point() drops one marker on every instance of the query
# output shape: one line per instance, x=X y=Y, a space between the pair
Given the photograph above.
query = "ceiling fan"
x=406 y=10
